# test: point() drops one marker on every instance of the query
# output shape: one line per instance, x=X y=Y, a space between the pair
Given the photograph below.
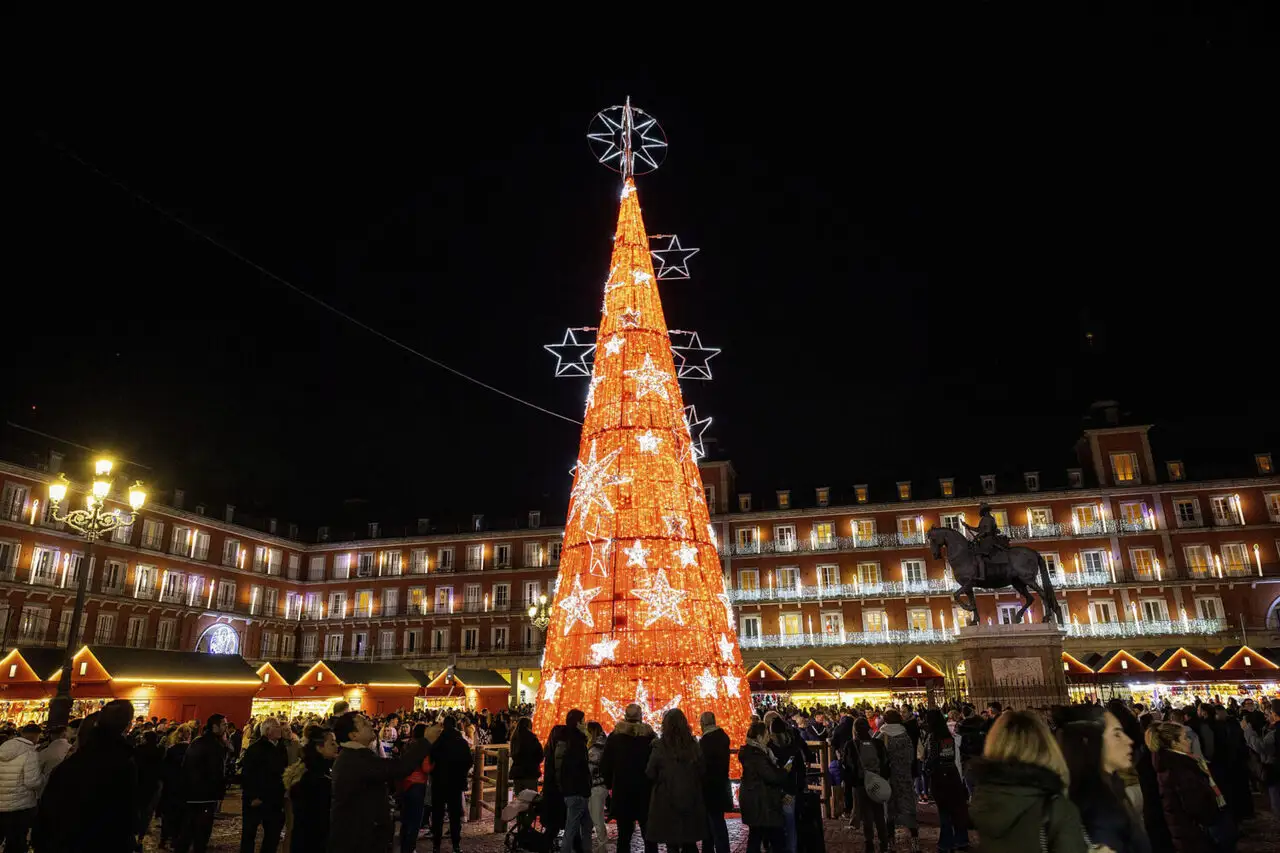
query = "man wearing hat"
x=986 y=538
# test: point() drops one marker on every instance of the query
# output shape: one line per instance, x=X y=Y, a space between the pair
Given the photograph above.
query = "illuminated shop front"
x=1178 y=676
x=862 y=684
x=472 y=689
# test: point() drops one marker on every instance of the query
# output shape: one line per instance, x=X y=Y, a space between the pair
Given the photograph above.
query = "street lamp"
x=540 y=613
x=93 y=522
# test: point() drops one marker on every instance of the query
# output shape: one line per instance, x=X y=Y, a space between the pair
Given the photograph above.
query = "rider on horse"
x=986 y=539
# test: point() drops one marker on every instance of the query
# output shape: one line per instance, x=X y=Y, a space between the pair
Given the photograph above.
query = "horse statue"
x=1019 y=567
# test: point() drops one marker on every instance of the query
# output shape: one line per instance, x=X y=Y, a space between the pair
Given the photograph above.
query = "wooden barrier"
x=822 y=751
x=490 y=769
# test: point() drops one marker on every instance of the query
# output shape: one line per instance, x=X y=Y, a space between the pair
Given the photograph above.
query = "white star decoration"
x=550 y=686
x=677 y=525
x=648 y=442
x=728 y=609
x=613 y=346
x=640 y=277
x=711 y=531
x=637 y=555
x=601 y=550
x=653 y=717
x=591 y=391
x=708 y=684
x=649 y=379
x=663 y=600
x=603 y=651
x=627 y=189
x=726 y=649
x=688 y=555
x=576 y=604
x=630 y=318
x=731 y=684
x=593 y=483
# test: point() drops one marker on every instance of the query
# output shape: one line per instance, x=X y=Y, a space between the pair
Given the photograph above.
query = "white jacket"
x=20 y=777
x=50 y=757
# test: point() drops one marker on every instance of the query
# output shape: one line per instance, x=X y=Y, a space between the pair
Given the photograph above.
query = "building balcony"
x=1148 y=628
x=846 y=638
x=891 y=589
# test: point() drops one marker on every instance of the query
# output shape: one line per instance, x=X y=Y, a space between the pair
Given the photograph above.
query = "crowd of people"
x=1119 y=778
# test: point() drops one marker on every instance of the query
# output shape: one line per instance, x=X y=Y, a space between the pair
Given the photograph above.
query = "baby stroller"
x=524 y=834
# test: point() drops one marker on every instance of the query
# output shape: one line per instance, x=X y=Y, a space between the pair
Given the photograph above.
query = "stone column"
x=515 y=685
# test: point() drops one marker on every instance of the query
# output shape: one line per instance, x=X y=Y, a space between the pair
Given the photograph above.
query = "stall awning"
x=371 y=673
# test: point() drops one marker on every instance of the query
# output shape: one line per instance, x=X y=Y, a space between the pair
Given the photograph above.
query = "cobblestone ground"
x=1262 y=835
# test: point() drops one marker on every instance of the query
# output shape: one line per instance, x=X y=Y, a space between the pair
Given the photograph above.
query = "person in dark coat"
x=1232 y=768
x=785 y=745
x=553 y=808
x=717 y=795
x=204 y=784
x=311 y=791
x=760 y=795
x=1152 y=806
x=1194 y=808
x=626 y=755
x=90 y=802
x=945 y=782
x=148 y=758
x=526 y=757
x=262 y=789
x=1097 y=750
x=677 y=811
x=573 y=778
x=171 y=785
x=360 y=816
x=451 y=761
x=498 y=731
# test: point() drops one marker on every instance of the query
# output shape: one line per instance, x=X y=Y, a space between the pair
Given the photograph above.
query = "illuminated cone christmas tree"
x=641 y=612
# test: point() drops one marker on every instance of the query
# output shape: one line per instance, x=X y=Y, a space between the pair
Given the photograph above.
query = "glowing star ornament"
x=694 y=360
x=550 y=687
x=601 y=552
x=591 y=489
x=726 y=649
x=648 y=442
x=573 y=357
x=614 y=345
x=731 y=683
x=577 y=605
x=649 y=379
x=728 y=609
x=652 y=716
x=708 y=684
x=695 y=427
x=688 y=555
x=640 y=277
x=630 y=318
x=673 y=259
x=637 y=555
x=677 y=525
x=591 y=391
x=603 y=651
x=663 y=600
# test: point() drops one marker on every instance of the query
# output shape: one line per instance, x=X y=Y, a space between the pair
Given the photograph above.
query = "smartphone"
x=790 y=760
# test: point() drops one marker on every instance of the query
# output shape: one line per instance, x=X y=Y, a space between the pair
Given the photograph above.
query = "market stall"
x=473 y=689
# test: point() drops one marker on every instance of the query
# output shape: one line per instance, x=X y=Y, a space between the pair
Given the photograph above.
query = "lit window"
x=744 y=503
x=948 y=487
x=784 y=499
x=904 y=490
x=860 y=494
x=824 y=496
x=1263 y=461
x=1033 y=481
x=1176 y=471
x=1124 y=468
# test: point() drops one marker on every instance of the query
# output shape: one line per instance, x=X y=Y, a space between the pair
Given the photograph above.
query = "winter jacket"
x=203 y=770
x=716 y=792
x=1189 y=800
x=760 y=795
x=1152 y=805
x=677 y=814
x=944 y=776
x=52 y=755
x=359 y=796
x=972 y=732
x=450 y=763
x=89 y=803
x=171 y=776
x=856 y=764
x=902 y=756
x=20 y=778
x=626 y=755
x=262 y=773
x=787 y=745
x=573 y=775
x=595 y=754
x=1108 y=816
x=526 y=756
x=309 y=797
x=1014 y=803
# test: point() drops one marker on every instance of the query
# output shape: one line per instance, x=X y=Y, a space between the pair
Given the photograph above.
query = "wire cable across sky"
x=295 y=288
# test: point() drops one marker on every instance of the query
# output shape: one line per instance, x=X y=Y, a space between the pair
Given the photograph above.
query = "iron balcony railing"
x=886 y=589
x=1148 y=628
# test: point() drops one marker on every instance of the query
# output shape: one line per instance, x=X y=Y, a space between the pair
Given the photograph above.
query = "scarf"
x=1217 y=792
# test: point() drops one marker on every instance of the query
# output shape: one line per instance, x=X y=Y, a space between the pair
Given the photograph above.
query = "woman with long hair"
x=787 y=750
x=309 y=790
x=1097 y=751
x=677 y=816
x=901 y=808
x=526 y=757
x=865 y=754
x=171 y=799
x=945 y=782
x=1019 y=802
x=1193 y=805
x=596 y=740
x=760 y=795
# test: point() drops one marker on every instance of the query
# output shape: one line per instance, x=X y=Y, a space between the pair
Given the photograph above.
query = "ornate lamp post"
x=93 y=522
x=540 y=613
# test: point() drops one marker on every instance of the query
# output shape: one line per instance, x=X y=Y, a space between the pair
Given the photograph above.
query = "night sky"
x=902 y=261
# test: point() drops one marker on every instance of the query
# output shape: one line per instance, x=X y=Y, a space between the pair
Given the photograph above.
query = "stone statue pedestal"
x=1018 y=665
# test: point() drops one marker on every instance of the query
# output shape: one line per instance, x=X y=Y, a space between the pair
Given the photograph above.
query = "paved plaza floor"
x=1262 y=835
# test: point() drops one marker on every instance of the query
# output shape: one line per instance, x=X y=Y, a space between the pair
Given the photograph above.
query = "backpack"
x=864 y=759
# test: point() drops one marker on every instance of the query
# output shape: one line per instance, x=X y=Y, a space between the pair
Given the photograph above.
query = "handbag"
x=877 y=786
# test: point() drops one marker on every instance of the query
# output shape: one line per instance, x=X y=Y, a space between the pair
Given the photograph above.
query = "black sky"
x=901 y=257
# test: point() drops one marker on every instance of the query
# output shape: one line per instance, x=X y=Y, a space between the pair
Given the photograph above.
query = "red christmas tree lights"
x=641 y=612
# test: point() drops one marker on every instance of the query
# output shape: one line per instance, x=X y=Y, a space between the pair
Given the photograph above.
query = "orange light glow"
x=674 y=645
